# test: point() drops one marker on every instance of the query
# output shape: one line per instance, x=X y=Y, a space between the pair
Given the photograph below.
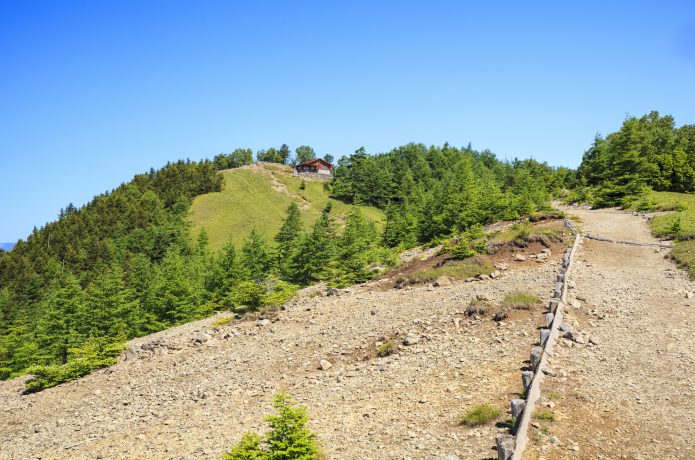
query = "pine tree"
x=112 y=307
x=256 y=257
x=287 y=238
x=225 y=273
x=176 y=301
x=60 y=326
x=356 y=248
x=315 y=258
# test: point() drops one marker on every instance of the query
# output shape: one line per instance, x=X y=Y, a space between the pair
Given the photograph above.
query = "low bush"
x=253 y=295
x=96 y=353
x=386 y=349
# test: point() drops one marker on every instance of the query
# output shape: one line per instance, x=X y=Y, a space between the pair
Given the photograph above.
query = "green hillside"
x=678 y=225
x=258 y=196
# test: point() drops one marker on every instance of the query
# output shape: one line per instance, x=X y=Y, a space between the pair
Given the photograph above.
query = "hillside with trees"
x=646 y=153
x=126 y=264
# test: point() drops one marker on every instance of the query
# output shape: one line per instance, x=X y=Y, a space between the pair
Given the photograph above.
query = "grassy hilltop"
x=258 y=196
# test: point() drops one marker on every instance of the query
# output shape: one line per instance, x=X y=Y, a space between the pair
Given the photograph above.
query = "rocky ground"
x=192 y=391
x=623 y=387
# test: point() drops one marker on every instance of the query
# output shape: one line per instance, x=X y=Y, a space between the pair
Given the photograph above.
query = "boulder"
x=519 y=257
x=495 y=274
x=324 y=365
x=442 y=281
x=567 y=331
x=200 y=337
x=411 y=339
x=262 y=322
x=501 y=266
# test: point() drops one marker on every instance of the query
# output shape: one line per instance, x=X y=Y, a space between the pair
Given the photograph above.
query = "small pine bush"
x=288 y=438
x=462 y=250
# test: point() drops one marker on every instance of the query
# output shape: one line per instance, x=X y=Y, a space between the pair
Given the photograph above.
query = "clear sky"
x=94 y=92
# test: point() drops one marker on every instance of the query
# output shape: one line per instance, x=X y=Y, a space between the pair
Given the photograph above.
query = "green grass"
x=223 y=321
x=678 y=225
x=480 y=415
x=248 y=200
x=544 y=415
x=457 y=270
x=520 y=299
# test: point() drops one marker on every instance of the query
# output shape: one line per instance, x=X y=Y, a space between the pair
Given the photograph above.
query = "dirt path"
x=624 y=388
x=183 y=401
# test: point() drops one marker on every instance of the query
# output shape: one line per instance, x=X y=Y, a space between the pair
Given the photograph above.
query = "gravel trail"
x=624 y=386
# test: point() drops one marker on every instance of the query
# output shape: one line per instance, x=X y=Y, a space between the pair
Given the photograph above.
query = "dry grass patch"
x=459 y=269
x=520 y=300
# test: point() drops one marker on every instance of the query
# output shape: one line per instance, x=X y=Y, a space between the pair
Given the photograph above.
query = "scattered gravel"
x=191 y=391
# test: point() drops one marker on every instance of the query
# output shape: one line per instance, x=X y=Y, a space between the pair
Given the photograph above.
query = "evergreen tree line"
x=119 y=267
x=647 y=152
x=429 y=193
x=282 y=155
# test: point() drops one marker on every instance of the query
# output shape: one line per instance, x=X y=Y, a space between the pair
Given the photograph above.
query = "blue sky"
x=92 y=93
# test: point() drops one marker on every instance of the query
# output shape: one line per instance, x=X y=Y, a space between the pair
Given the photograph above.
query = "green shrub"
x=521 y=232
x=246 y=295
x=386 y=349
x=252 y=295
x=462 y=250
x=480 y=246
x=96 y=353
x=288 y=438
x=480 y=415
x=249 y=448
x=475 y=232
x=5 y=373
